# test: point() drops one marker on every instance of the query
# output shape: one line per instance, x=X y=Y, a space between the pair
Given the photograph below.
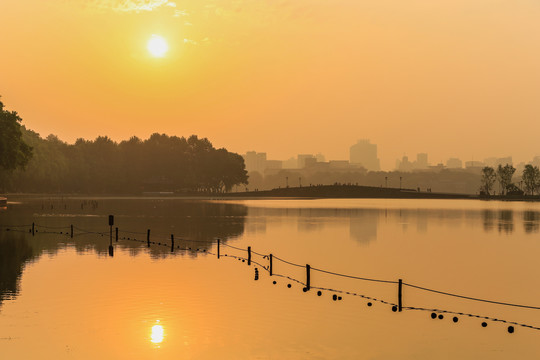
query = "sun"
x=157 y=46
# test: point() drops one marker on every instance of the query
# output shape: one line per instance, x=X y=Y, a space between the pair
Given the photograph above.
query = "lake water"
x=63 y=297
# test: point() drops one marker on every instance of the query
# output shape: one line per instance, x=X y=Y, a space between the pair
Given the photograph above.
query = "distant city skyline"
x=366 y=151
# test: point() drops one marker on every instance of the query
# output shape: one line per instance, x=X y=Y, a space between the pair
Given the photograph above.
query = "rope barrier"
x=354 y=277
x=267 y=268
x=287 y=262
x=234 y=247
x=471 y=298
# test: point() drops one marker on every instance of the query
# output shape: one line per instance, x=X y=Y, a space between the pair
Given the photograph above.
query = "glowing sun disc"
x=157 y=46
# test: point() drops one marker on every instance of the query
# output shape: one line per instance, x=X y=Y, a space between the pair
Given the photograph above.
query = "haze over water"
x=146 y=302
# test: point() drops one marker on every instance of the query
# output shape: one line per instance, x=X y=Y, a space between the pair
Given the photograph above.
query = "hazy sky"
x=453 y=78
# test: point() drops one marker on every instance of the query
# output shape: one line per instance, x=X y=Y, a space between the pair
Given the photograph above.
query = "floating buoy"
x=319 y=293
x=455 y=319
x=394 y=308
x=484 y=324
x=288 y=285
x=510 y=329
x=274 y=282
x=334 y=297
x=369 y=304
x=433 y=315
x=441 y=316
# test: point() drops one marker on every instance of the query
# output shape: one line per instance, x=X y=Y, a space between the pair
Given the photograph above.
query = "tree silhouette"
x=531 y=179
x=14 y=152
x=488 y=180
x=504 y=175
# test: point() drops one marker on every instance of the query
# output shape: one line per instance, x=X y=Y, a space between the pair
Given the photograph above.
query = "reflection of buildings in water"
x=363 y=226
x=422 y=221
x=506 y=221
x=531 y=221
x=255 y=225
x=310 y=224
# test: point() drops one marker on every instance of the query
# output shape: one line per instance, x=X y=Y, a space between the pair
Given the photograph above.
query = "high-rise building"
x=365 y=154
x=255 y=161
x=421 y=161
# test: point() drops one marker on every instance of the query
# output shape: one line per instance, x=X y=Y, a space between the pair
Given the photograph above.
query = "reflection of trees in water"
x=503 y=219
x=194 y=223
x=14 y=253
x=489 y=219
x=531 y=220
x=506 y=221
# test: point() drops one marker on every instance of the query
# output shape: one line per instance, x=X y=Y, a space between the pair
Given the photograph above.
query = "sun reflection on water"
x=157 y=334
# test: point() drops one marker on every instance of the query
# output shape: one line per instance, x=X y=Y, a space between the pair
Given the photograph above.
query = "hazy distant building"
x=255 y=161
x=421 y=161
x=536 y=161
x=404 y=164
x=274 y=164
x=495 y=162
x=474 y=164
x=365 y=154
x=338 y=164
x=302 y=158
x=454 y=163
x=291 y=163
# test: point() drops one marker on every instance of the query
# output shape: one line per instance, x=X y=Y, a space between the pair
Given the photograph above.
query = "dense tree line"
x=159 y=163
x=529 y=184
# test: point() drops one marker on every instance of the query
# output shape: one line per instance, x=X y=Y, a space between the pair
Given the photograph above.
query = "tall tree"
x=531 y=178
x=14 y=152
x=504 y=175
x=488 y=179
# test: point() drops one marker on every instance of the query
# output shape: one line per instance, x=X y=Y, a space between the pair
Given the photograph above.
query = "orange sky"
x=449 y=77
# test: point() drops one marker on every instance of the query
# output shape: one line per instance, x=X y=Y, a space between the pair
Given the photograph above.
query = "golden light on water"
x=157 y=334
x=157 y=46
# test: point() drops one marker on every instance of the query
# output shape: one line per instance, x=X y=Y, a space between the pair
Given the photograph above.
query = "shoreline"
x=307 y=192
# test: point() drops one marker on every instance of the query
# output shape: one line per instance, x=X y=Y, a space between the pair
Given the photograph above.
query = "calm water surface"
x=63 y=297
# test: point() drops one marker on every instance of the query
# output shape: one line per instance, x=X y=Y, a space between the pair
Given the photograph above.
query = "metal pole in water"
x=148 y=237
x=72 y=230
x=116 y=234
x=218 y=241
x=33 y=226
x=172 y=242
x=249 y=255
x=308 y=276
x=270 y=268
x=400 y=295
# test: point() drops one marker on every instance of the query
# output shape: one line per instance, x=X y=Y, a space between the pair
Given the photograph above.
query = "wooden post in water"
x=148 y=237
x=270 y=268
x=249 y=255
x=172 y=242
x=308 y=276
x=400 y=295
x=33 y=226
x=218 y=241
x=116 y=234
x=72 y=230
